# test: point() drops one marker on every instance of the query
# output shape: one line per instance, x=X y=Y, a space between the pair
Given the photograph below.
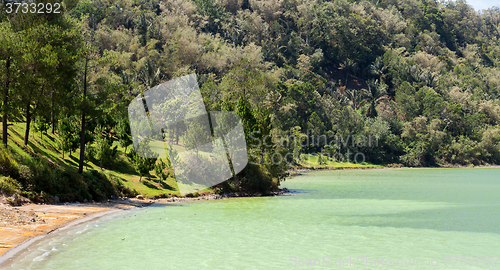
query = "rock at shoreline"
x=140 y=197
x=16 y=217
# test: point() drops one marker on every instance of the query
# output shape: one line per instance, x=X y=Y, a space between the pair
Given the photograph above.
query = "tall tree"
x=101 y=89
x=84 y=108
x=9 y=46
x=38 y=60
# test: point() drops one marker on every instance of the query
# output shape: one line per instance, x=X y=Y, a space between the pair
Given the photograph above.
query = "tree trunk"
x=346 y=77
x=176 y=135
x=82 y=135
x=52 y=119
x=28 y=122
x=5 y=100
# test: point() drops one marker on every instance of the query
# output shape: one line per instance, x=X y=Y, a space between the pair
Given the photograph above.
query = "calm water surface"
x=370 y=219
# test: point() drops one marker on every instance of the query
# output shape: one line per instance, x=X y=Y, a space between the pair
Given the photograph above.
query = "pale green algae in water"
x=406 y=215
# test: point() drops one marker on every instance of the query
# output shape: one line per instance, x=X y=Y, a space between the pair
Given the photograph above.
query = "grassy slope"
x=45 y=145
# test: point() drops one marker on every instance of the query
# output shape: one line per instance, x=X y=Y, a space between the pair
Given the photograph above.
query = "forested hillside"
x=420 y=78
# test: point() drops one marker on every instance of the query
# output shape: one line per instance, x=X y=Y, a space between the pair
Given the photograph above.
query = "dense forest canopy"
x=420 y=76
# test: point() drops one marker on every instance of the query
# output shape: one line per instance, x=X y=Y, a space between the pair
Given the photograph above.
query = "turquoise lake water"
x=359 y=219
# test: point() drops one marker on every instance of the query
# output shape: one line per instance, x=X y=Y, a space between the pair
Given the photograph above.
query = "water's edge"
x=10 y=255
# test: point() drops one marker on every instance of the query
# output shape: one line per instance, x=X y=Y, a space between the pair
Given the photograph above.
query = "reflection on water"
x=417 y=215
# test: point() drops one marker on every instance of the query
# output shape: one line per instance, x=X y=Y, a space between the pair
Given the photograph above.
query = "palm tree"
x=377 y=92
x=149 y=74
x=377 y=68
x=357 y=98
x=349 y=66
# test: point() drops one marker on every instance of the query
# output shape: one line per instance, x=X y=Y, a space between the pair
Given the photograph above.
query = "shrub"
x=159 y=170
x=26 y=175
x=98 y=185
x=9 y=185
x=70 y=186
x=120 y=189
x=37 y=174
x=253 y=178
x=103 y=150
x=8 y=166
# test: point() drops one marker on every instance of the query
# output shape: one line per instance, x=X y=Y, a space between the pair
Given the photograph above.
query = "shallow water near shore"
x=359 y=219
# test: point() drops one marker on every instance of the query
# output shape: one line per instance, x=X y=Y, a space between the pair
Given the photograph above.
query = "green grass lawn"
x=121 y=169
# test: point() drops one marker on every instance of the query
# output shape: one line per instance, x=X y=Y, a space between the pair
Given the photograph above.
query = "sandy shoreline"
x=21 y=241
x=22 y=225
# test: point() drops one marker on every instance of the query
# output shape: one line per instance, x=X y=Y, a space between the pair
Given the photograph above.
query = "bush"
x=462 y=151
x=120 y=189
x=37 y=174
x=253 y=178
x=8 y=166
x=25 y=174
x=98 y=185
x=9 y=185
x=70 y=186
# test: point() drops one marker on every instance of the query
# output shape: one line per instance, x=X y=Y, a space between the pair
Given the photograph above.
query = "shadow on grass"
x=13 y=130
x=50 y=136
x=123 y=166
x=42 y=152
x=149 y=184
x=73 y=161
x=166 y=186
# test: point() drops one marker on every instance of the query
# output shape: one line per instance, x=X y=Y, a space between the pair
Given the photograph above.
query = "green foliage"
x=212 y=15
x=68 y=137
x=103 y=150
x=41 y=125
x=143 y=166
x=9 y=185
x=420 y=76
x=124 y=134
x=407 y=101
x=196 y=136
x=247 y=117
x=8 y=165
x=160 y=170
x=144 y=162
